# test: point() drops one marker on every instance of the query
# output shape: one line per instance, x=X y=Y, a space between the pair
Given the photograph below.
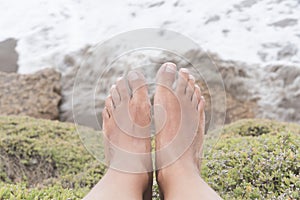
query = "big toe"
x=166 y=75
x=122 y=89
x=137 y=84
x=139 y=103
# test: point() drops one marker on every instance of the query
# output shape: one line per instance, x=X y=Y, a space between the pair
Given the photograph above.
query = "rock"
x=285 y=22
x=36 y=95
x=245 y=4
x=212 y=19
x=239 y=102
x=287 y=52
x=80 y=102
x=255 y=91
x=251 y=91
x=8 y=56
x=237 y=109
x=156 y=4
x=280 y=93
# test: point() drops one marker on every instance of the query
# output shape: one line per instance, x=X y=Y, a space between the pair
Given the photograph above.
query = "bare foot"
x=179 y=119
x=126 y=126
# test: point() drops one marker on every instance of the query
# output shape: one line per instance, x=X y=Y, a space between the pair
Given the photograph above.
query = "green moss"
x=45 y=153
x=22 y=192
x=253 y=159
x=257 y=127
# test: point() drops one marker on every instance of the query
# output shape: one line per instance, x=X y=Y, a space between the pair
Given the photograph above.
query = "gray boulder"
x=8 y=56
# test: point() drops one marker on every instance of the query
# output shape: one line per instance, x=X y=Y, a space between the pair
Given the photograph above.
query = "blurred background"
x=254 y=43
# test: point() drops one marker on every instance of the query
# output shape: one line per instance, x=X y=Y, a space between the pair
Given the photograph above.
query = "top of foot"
x=179 y=117
x=126 y=124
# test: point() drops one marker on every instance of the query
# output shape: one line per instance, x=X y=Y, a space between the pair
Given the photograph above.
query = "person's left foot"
x=179 y=119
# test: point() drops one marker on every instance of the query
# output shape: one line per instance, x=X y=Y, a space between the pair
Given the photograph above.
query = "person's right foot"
x=126 y=124
x=179 y=121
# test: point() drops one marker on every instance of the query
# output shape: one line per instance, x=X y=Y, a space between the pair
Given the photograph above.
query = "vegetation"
x=253 y=159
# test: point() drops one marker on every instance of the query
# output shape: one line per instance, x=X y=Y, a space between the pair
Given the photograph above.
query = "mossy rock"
x=43 y=159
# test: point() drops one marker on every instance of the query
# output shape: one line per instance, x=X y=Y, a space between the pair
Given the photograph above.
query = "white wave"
x=253 y=31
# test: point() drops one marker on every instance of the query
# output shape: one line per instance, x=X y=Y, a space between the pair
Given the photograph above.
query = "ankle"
x=140 y=181
x=175 y=173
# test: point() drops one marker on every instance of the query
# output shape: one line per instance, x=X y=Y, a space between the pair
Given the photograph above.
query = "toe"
x=190 y=87
x=196 y=96
x=183 y=77
x=105 y=114
x=139 y=103
x=166 y=75
x=109 y=105
x=137 y=83
x=115 y=95
x=201 y=104
x=122 y=88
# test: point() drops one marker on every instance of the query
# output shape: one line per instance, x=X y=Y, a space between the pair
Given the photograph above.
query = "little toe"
x=109 y=107
x=183 y=77
x=201 y=104
x=115 y=95
x=121 y=86
x=166 y=75
x=190 y=87
x=105 y=114
x=196 y=96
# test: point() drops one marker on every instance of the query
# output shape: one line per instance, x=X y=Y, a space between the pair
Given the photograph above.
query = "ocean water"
x=252 y=31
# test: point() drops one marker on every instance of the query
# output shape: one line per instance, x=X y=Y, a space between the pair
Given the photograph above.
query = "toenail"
x=132 y=76
x=191 y=77
x=202 y=98
x=170 y=67
x=184 y=70
x=119 y=78
x=113 y=87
